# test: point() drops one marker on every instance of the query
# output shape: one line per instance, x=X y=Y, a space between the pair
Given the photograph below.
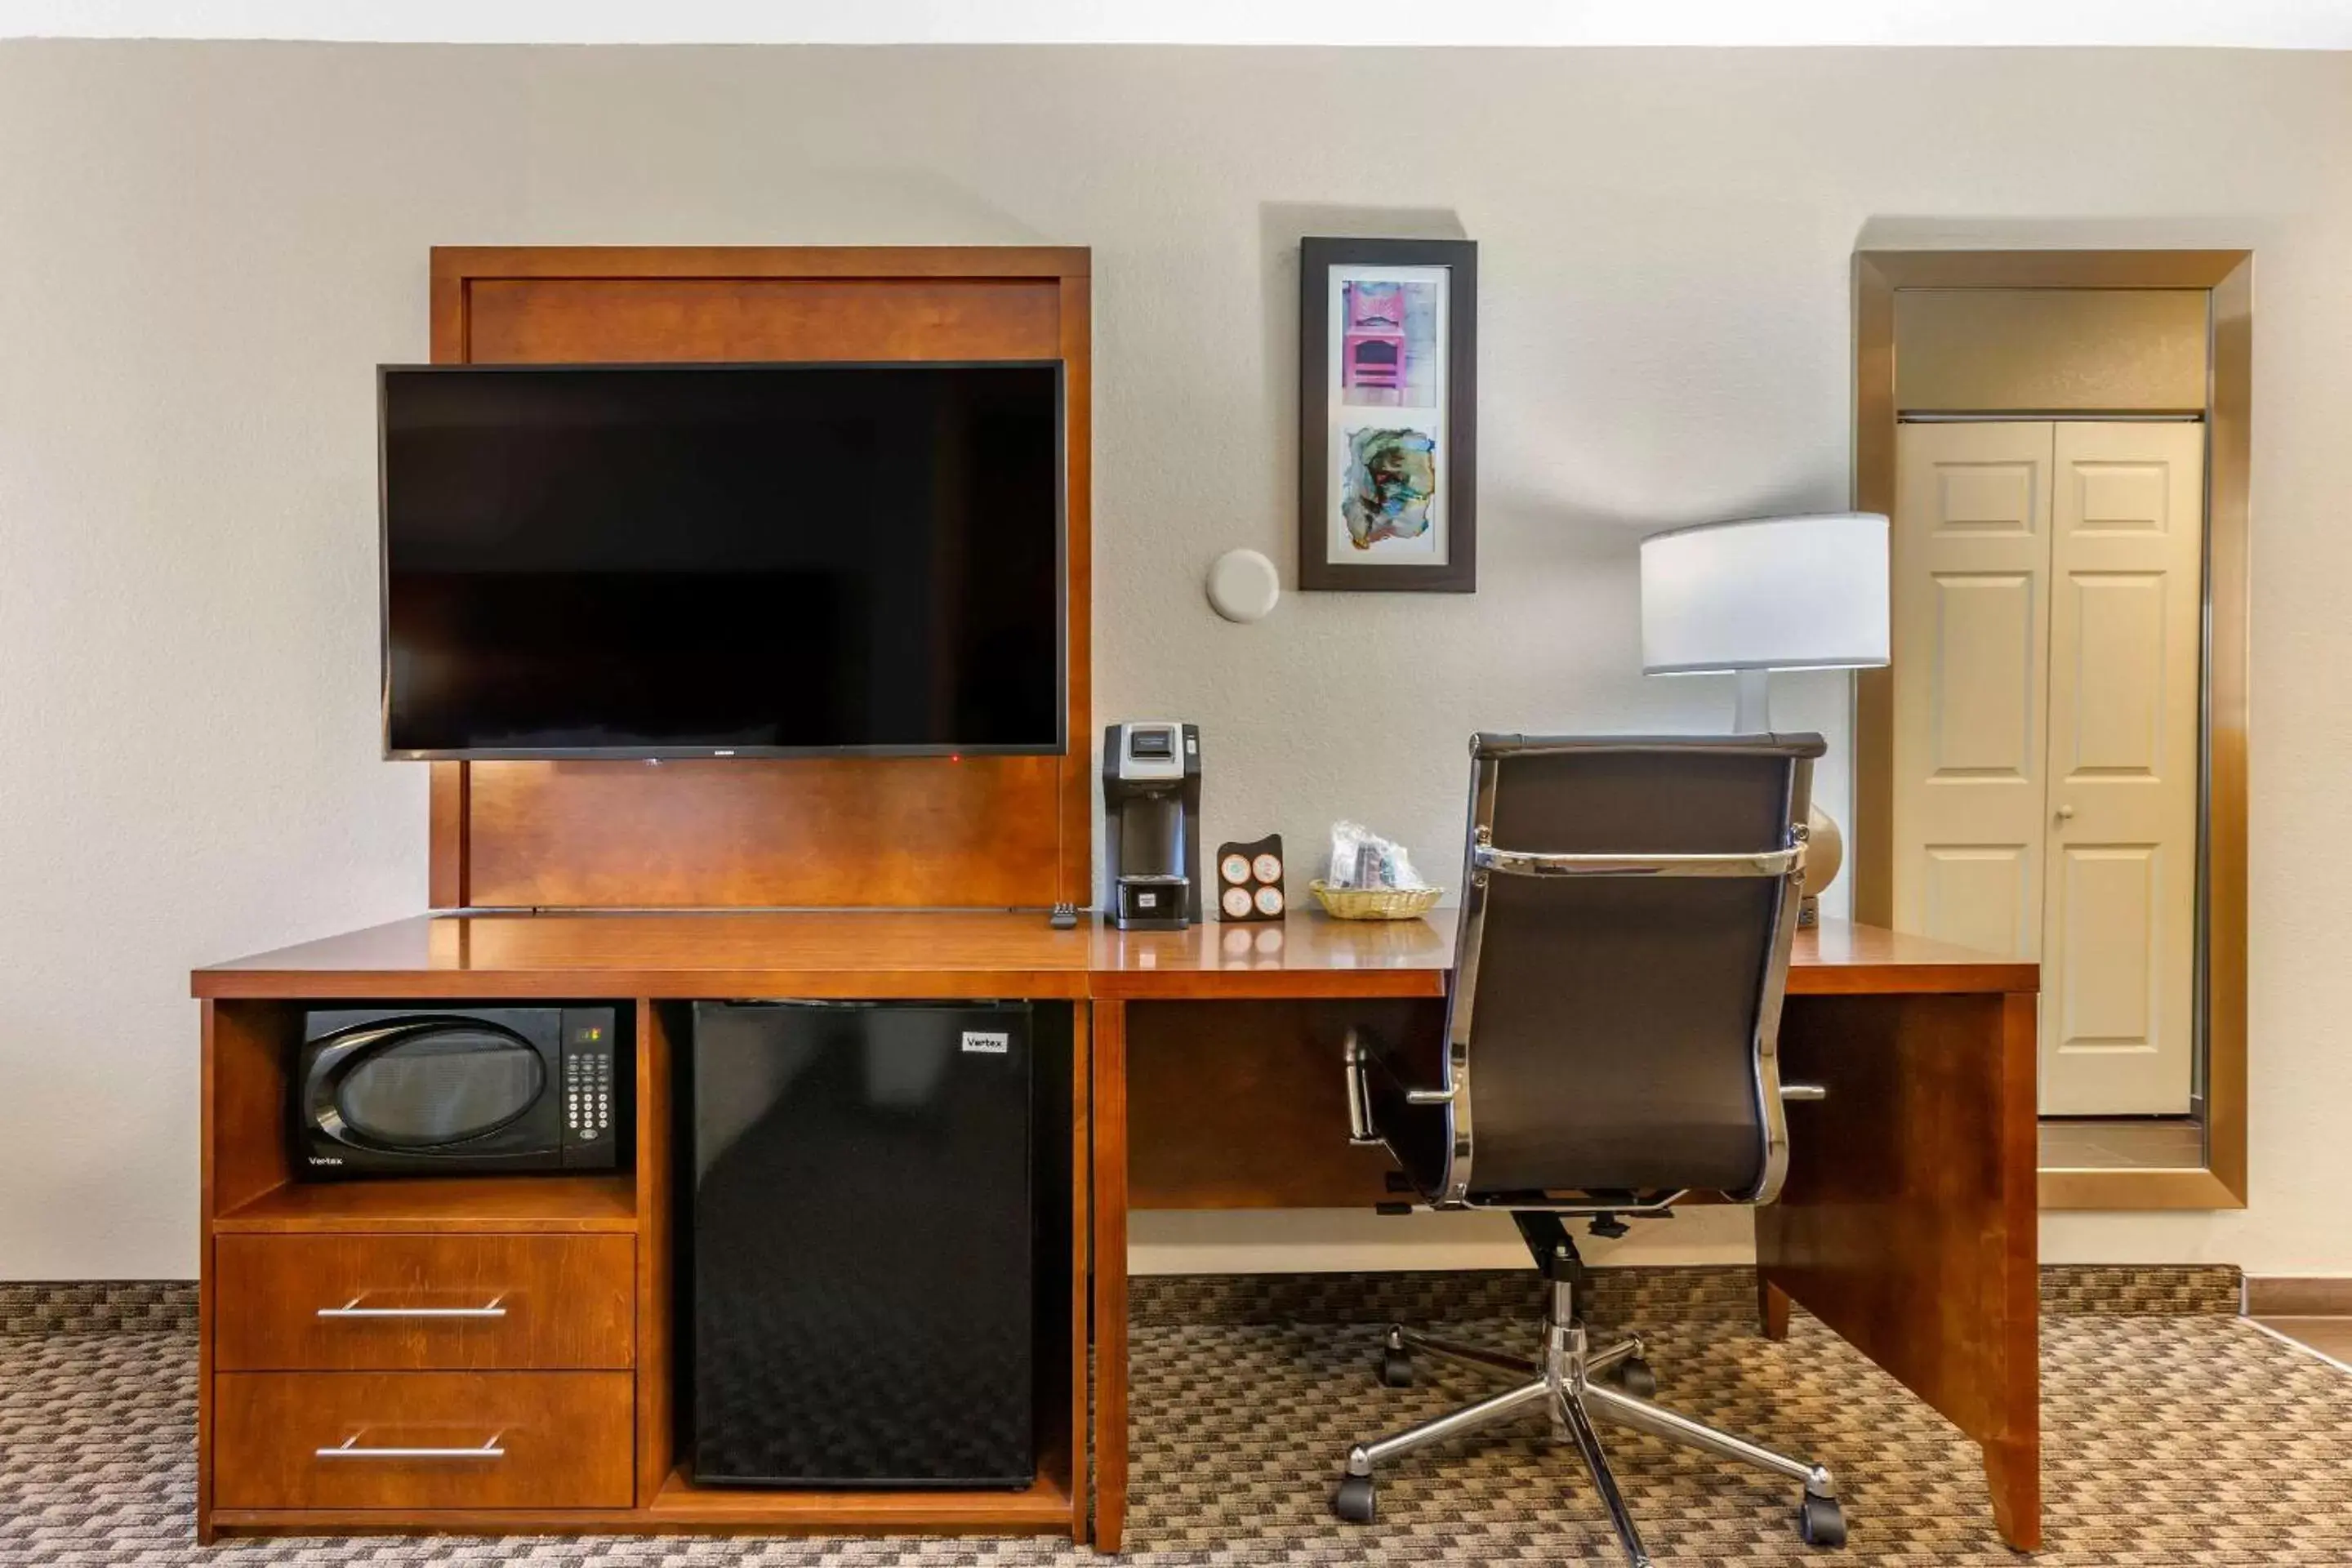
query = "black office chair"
x=1628 y=907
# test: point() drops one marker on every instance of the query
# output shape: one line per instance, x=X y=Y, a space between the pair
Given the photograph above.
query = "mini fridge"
x=861 y=1282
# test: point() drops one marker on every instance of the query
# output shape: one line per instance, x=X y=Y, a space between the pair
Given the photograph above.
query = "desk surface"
x=855 y=954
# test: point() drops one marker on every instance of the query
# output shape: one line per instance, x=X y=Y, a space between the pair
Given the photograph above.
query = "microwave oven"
x=458 y=1090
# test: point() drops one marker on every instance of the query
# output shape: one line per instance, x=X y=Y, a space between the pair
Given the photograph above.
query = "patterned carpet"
x=2170 y=1440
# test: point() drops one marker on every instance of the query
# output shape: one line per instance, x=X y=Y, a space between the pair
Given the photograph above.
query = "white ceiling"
x=2244 y=24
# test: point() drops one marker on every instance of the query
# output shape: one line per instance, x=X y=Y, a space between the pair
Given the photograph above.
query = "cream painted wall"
x=203 y=248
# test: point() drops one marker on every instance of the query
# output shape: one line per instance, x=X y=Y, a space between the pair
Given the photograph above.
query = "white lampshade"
x=1766 y=592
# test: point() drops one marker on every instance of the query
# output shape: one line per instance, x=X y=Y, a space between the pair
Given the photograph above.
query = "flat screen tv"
x=728 y=561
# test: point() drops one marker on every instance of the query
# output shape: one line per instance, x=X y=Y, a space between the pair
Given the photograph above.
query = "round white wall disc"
x=1244 y=585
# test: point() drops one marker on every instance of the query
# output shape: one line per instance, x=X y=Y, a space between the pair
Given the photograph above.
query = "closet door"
x=1971 y=613
x=2118 y=1004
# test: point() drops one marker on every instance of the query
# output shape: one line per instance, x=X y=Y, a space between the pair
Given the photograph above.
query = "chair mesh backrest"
x=1613 y=1039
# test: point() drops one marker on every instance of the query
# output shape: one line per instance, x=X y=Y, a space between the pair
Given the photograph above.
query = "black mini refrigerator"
x=861 y=1281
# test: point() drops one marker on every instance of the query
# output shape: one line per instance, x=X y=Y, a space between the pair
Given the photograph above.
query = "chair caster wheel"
x=1633 y=1375
x=1396 y=1367
x=1821 y=1521
x=1352 y=1500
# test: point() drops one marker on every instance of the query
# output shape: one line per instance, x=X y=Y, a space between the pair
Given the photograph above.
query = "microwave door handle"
x=339 y=1047
x=494 y=1307
x=320 y=1106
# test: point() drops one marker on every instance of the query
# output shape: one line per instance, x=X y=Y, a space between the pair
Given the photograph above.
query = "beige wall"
x=204 y=248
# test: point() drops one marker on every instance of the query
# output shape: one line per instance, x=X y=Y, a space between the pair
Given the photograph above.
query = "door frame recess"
x=2227 y=277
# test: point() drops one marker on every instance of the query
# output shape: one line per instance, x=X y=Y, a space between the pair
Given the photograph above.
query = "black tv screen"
x=722 y=560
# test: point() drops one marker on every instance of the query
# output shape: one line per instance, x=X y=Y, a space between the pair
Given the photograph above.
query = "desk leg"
x=1110 y=1273
x=1082 y=1275
x=1771 y=1308
x=1909 y=1224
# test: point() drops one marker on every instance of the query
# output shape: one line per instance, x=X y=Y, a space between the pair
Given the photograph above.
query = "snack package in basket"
x=1362 y=859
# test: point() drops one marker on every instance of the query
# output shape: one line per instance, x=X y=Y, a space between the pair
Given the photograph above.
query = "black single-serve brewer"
x=1151 y=811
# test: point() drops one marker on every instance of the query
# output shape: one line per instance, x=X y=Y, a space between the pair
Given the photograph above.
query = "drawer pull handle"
x=348 y=1449
x=352 y=1309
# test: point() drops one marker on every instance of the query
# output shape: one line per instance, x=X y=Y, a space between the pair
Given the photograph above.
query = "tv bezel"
x=1060 y=744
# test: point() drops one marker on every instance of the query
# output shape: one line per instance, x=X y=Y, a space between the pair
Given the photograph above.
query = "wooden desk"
x=1908 y=1224
x=1205 y=1074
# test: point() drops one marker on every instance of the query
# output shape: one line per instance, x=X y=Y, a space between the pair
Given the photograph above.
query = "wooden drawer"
x=422 y=1302
x=422 y=1439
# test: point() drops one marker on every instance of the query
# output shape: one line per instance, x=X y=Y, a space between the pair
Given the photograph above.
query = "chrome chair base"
x=1565 y=1385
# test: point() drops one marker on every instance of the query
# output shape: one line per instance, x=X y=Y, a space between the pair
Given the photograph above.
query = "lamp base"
x=1824 y=857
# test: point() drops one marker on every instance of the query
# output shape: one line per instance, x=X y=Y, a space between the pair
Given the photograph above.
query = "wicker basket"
x=1376 y=903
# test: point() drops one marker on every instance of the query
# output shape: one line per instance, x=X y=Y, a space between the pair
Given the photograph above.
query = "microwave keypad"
x=588 y=1094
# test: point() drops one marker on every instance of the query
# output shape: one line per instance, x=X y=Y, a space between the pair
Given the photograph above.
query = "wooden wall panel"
x=453 y=784
x=540 y=320
x=1077 y=782
x=907 y=831
x=984 y=831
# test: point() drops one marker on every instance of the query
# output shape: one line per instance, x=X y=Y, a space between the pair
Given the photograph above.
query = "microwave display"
x=456 y=1091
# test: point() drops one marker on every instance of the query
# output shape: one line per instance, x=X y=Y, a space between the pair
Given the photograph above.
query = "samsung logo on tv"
x=987 y=1045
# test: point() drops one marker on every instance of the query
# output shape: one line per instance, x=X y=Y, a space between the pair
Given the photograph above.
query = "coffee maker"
x=1151 y=815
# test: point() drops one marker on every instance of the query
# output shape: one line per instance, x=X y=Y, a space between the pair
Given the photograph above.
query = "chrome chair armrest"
x=1525 y=863
x=1359 y=1092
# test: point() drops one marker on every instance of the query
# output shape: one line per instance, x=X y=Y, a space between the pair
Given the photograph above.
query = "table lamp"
x=1748 y=597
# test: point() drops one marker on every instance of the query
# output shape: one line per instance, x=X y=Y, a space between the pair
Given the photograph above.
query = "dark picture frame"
x=1387 y=472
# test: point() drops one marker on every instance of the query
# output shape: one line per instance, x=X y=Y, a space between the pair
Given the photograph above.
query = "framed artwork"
x=1388 y=414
